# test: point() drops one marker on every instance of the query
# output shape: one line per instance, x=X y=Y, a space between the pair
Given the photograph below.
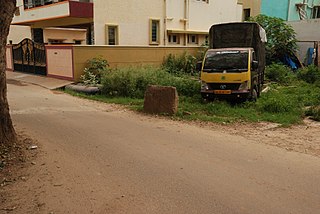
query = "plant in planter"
x=95 y=69
x=91 y=78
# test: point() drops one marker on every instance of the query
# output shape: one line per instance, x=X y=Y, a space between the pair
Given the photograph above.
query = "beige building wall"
x=18 y=33
x=124 y=56
x=57 y=10
x=131 y=17
x=9 y=59
x=180 y=17
x=67 y=35
x=60 y=61
x=253 y=5
x=202 y=15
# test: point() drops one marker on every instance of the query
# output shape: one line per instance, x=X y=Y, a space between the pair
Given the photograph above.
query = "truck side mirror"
x=255 y=65
x=199 y=66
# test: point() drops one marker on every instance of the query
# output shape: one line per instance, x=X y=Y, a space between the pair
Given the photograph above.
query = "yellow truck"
x=233 y=66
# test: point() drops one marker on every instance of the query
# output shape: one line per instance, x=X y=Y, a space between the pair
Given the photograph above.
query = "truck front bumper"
x=225 y=94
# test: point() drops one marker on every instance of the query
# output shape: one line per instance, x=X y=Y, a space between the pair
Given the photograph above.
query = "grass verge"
x=282 y=104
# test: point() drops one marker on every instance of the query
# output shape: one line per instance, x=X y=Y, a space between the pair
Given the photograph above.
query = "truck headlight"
x=244 y=86
x=204 y=86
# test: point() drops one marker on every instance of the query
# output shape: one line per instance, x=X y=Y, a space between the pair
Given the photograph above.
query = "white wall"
x=131 y=16
x=18 y=33
x=60 y=9
x=68 y=35
x=203 y=15
x=175 y=12
x=307 y=30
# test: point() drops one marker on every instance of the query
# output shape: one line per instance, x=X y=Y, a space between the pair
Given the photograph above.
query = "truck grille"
x=224 y=86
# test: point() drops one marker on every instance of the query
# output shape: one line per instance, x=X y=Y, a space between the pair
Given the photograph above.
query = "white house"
x=126 y=22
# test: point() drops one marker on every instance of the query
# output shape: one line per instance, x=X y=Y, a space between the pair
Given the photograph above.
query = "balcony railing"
x=38 y=3
x=28 y=4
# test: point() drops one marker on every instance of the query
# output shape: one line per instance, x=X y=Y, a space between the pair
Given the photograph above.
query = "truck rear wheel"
x=259 y=90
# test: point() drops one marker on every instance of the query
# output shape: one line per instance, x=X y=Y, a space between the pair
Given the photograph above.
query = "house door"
x=29 y=57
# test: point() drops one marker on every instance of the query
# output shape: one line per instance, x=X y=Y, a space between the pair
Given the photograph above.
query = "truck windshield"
x=226 y=61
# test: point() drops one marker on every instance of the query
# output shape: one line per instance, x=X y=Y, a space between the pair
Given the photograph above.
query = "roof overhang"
x=175 y=31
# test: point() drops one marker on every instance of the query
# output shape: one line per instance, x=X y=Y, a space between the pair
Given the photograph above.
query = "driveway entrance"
x=29 y=57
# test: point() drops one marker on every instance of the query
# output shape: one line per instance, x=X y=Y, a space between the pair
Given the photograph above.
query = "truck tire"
x=254 y=95
x=259 y=90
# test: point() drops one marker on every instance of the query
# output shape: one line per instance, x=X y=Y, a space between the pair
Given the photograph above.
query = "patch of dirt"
x=15 y=160
x=303 y=138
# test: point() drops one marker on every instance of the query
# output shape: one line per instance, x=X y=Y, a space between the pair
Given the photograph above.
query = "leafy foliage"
x=89 y=78
x=132 y=82
x=314 y=112
x=279 y=73
x=94 y=70
x=285 y=103
x=183 y=64
x=281 y=37
x=310 y=74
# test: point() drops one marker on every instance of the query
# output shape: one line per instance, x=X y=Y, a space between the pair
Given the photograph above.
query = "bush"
x=281 y=37
x=183 y=64
x=310 y=74
x=279 y=73
x=314 y=113
x=184 y=84
x=89 y=78
x=94 y=70
x=132 y=82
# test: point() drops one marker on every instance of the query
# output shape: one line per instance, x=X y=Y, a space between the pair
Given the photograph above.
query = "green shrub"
x=132 y=82
x=314 y=113
x=310 y=74
x=184 y=85
x=281 y=37
x=89 y=78
x=94 y=70
x=183 y=64
x=279 y=73
x=126 y=82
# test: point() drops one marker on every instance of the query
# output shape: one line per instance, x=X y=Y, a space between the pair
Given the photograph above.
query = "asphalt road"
x=98 y=158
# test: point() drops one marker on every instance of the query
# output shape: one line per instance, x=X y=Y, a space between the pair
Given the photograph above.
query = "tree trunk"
x=7 y=132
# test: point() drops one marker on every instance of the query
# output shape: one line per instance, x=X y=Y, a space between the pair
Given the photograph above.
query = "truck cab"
x=230 y=72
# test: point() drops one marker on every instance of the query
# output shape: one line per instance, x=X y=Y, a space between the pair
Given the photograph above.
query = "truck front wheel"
x=254 y=95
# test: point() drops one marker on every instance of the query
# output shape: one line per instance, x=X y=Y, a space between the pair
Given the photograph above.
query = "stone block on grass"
x=161 y=100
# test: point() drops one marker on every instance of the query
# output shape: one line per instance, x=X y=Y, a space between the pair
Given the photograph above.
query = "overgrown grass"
x=131 y=103
x=180 y=65
x=282 y=104
x=279 y=73
x=314 y=112
x=285 y=103
x=310 y=74
x=228 y=113
x=132 y=82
